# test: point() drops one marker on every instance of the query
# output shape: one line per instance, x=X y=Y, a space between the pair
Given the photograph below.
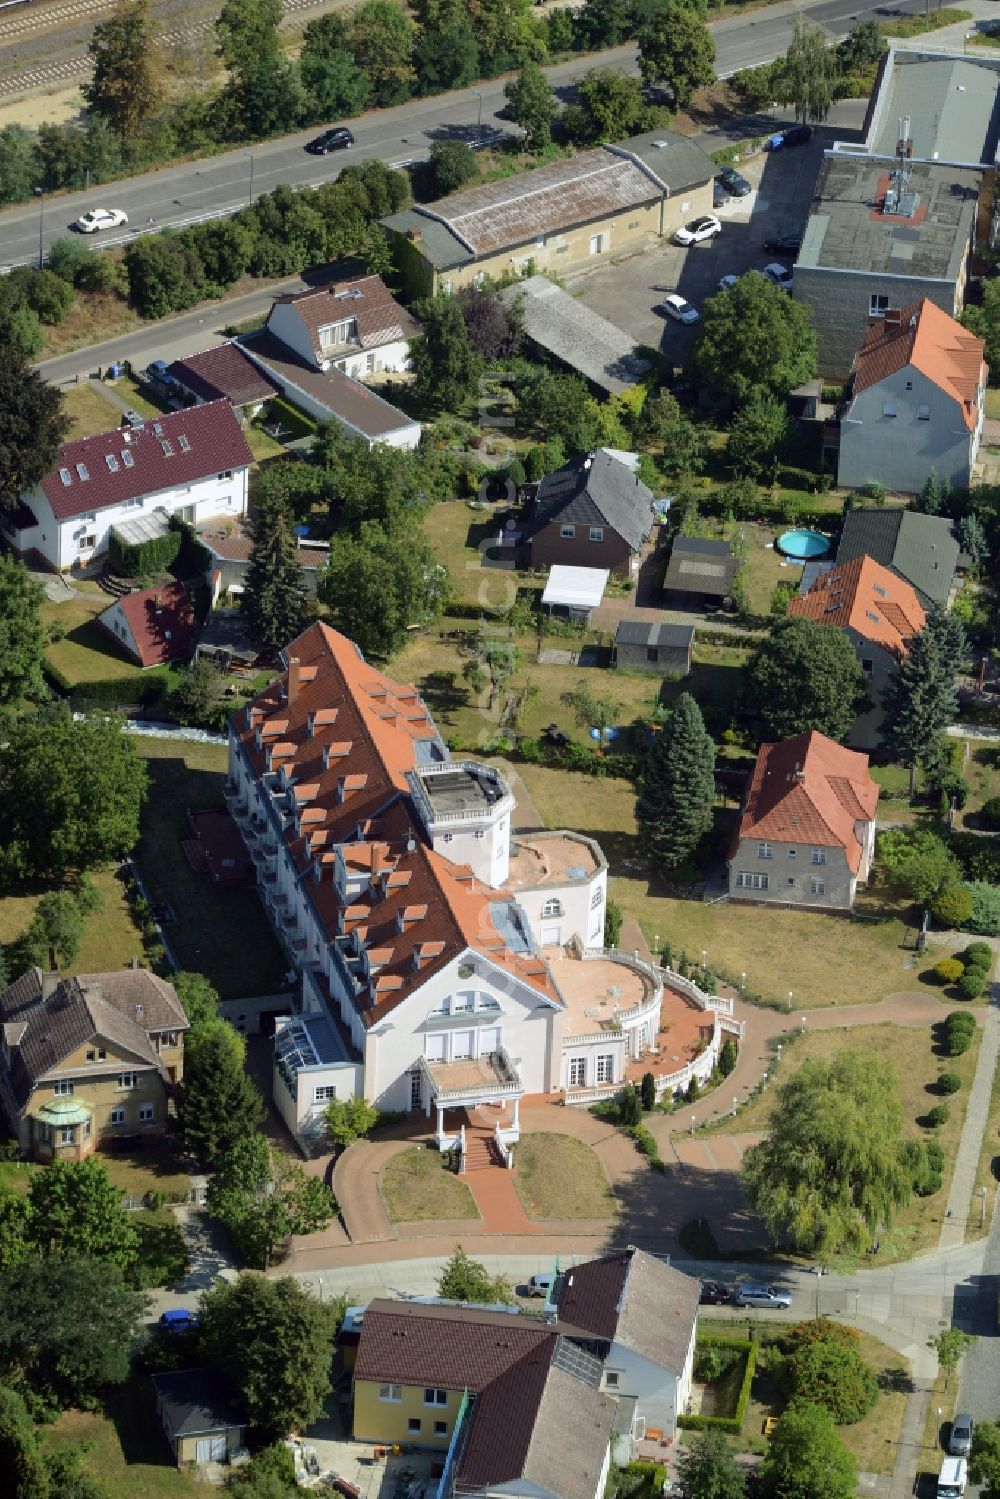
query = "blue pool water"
x=803 y=545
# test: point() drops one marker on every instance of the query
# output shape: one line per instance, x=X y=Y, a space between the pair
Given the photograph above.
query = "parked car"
x=181 y=1319
x=337 y=139
x=719 y=195
x=792 y=135
x=783 y=244
x=728 y=282
x=160 y=372
x=766 y=1296
x=100 y=218
x=714 y=1294
x=953 y=1478
x=960 y=1437
x=780 y=274
x=733 y=181
x=681 y=311
x=707 y=227
x=541 y=1285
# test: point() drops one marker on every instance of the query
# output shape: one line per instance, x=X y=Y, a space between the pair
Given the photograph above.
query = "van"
x=953 y=1478
x=751 y=1295
x=541 y=1285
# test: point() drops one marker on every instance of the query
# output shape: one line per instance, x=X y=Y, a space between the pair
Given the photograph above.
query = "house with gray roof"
x=577 y=211
x=658 y=648
x=593 y=512
x=201 y=1420
x=920 y=549
x=89 y=1060
x=568 y=331
x=950 y=101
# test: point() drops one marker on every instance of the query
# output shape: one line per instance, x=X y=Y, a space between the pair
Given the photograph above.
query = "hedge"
x=734 y=1423
x=143 y=559
x=127 y=691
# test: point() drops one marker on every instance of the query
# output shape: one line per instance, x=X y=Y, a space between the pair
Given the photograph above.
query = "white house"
x=444 y=964
x=355 y=326
x=190 y=463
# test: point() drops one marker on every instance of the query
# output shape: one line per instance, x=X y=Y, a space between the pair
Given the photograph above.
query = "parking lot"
x=627 y=291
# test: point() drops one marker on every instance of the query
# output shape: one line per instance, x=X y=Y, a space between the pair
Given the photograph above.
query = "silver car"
x=960 y=1439
x=767 y=1296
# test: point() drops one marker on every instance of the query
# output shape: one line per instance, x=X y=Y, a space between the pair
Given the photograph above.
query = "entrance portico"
x=491 y=1079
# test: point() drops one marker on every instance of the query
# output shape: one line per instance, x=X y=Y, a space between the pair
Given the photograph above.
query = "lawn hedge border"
x=732 y=1424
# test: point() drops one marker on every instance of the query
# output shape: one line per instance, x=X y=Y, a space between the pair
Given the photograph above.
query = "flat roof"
x=596 y=991
x=848 y=229
x=557 y=858
x=575 y=587
x=575 y=335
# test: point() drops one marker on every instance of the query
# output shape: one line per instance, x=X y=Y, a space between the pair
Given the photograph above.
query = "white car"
x=707 y=227
x=780 y=274
x=100 y=218
x=728 y=282
x=682 y=312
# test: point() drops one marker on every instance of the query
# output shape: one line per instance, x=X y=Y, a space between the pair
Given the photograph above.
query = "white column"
x=515 y=1122
x=440 y=1125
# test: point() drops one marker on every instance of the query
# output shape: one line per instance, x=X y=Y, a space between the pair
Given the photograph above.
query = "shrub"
x=989 y=813
x=833 y=1374
x=985 y=917
x=949 y=1082
x=711 y=1360
x=938 y=1115
x=977 y=955
x=948 y=970
x=926 y=1164
x=972 y=983
x=733 y=1423
x=960 y=1020
x=629 y=1106
x=647 y=1091
x=143 y=559
x=952 y=907
x=727 y=1057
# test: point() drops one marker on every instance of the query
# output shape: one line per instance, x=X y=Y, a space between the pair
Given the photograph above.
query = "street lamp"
x=791 y=996
x=735 y=1104
x=250 y=154
x=803 y=1026
x=479 y=116
x=40 y=194
x=982 y=1207
x=743 y=981
x=692 y=1124
x=704 y=955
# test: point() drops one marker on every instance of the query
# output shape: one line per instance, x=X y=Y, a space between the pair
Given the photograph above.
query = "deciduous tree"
x=273 y=1343
x=336 y=88
x=532 y=105
x=198 y=995
x=349 y=1119
x=676 y=788
x=262 y=1197
x=466 y=1279
x=494 y=328
x=919 y=861
x=15 y=1228
x=376 y=586
x=274 y=598
x=126 y=86
x=684 y=444
x=382 y=43
x=708 y=1470
x=809 y=75
x=33 y=425
x=806 y=1459
x=452 y=164
x=75 y=1211
x=592 y=709
x=951 y=1346
x=826 y=1368
x=984 y=1463
x=831 y=1172
x=608 y=107
x=805 y=676
x=758 y=436
x=22 y=634
x=677 y=49
x=755 y=340
x=219 y=1103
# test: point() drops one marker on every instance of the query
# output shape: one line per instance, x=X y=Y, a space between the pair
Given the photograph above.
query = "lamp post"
x=40 y=194
x=250 y=154
x=692 y=1124
x=982 y=1207
x=791 y=996
x=743 y=981
x=479 y=116
x=803 y=1025
x=704 y=955
x=735 y=1105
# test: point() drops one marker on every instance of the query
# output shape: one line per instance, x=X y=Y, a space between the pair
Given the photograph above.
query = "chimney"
x=414 y=236
x=294 y=679
x=893 y=318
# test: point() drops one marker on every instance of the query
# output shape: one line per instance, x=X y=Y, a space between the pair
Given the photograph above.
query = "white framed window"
x=923 y=413
x=878 y=304
x=597 y=533
x=568 y=532
x=751 y=881
x=440 y=1428
x=128 y=1080
x=146 y=1113
x=435 y=1397
x=819 y=856
x=67 y=1135
x=62 y=1089
x=888 y=408
x=763 y=850
x=324 y=1092
x=86 y=1129
x=606 y=1069
x=413 y=1425
x=87 y=543
x=612 y=1379
x=817 y=887
x=793 y=853
x=117 y=1116
x=577 y=1072
x=552 y=907
x=597 y=899
x=391 y=1393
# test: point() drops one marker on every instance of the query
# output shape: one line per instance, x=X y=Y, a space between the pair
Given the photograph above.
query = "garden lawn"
x=456 y=533
x=138 y=396
x=417 y=1186
x=162 y=1251
x=124 y=1448
x=221 y=933
x=89 y=411
x=913 y=1055
x=15 y=1176
x=982 y=771
x=558 y=1176
x=88 y=654
x=155 y=1169
x=111 y=938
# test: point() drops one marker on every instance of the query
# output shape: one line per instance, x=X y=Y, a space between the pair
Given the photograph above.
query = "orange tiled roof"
x=866 y=596
x=344 y=736
x=809 y=790
x=933 y=343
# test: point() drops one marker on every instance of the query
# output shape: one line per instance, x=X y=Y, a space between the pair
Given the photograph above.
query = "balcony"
x=473 y=1080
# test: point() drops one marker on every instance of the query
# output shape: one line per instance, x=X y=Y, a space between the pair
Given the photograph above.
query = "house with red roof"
x=806 y=835
x=153 y=625
x=445 y=962
x=354 y=326
x=880 y=614
x=193 y=463
x=915 y=403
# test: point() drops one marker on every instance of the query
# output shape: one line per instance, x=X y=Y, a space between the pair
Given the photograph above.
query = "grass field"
x=417 y=1186
x=88 y=654
x=456 y=535
x=124 y=1448
x=557 y=1176
x=88 y=410
x=111 y=938
x=914 y=1057
x=223 y=934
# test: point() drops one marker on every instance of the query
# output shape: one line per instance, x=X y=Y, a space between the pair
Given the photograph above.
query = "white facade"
x=114 y=619
x=660 y=1394
x=71 y=543
x=344 y=347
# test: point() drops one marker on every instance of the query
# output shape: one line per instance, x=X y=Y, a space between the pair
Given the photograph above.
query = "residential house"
x=592 y=206
x=700 y=573
x=661 y=649
x=88 y=1061
x=201 y=1420
x=567 y=330
x=153 y=625
x=806 y=836
x=514 y=1406
x=879 y=613
x=230 y=544
x=881 y=234
x=920 y=549
x=224 y=373
x=916 y=403
x=593 y=512
x=354 y=326
x=192 y=463
x=446 y=964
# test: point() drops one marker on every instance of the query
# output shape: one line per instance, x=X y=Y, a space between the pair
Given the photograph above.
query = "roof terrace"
x=556 y=858
x=458 y=791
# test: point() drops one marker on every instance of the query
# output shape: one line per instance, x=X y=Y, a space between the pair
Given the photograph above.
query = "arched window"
x=552 y=907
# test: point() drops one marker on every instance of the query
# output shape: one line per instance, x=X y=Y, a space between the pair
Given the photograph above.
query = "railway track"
x=36 y=18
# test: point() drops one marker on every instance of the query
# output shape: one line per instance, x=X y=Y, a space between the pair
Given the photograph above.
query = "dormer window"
x=339 y=333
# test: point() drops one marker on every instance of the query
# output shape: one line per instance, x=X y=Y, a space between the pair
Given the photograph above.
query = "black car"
x=719 y=195
x=712 y=1294
x=792 y=135
x=787 y=245
x=331 y=140
x=733 y=181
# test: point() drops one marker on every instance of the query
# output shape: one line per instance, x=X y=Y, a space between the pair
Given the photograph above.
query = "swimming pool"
x=803 y=546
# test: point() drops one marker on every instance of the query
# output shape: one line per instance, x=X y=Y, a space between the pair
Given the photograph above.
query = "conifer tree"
x=922 y=699
x=275 y=597
x=677 y=787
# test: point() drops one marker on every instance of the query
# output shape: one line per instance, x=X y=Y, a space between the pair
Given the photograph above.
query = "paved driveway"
x=627 y=291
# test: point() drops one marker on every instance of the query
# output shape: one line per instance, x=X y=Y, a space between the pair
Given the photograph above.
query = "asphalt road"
x=222 y=184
